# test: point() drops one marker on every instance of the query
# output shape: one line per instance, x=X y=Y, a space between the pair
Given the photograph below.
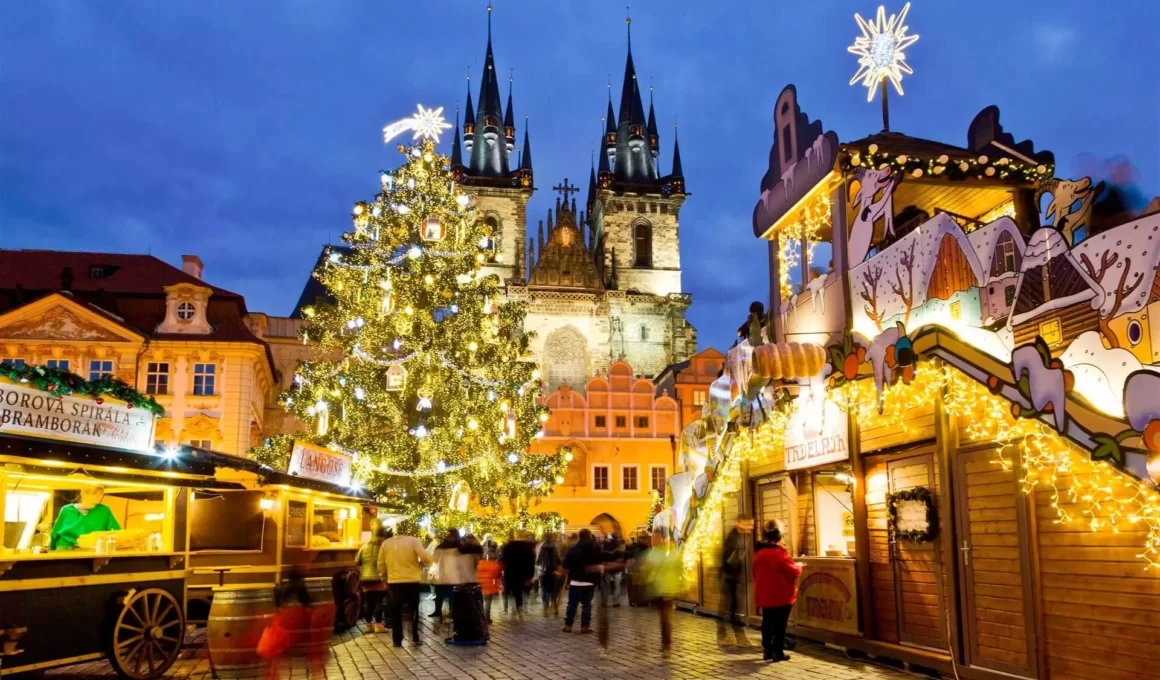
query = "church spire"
x=490 y=148
x=677 y=170
x=654 y=138
x=456 y=154
x=468 y=118
x=509 y=122
x=526 y=161
x=631 y=162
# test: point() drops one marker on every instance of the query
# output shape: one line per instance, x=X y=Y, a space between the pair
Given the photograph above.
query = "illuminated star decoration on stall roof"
x=428 y=123
x=880 y=50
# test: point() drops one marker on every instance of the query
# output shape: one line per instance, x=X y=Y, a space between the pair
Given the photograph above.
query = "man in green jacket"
x=83 y=517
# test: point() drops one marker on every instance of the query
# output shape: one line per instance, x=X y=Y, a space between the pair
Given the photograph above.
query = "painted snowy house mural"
x=999 y=248
x=1056 y=298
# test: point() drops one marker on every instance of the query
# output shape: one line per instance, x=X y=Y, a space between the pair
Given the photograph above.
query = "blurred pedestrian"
x=444 y=579
x=548 y=563
x=662 y=573
x=467 y=617
x=634 y=555
x=775 y=576
x=371 y=584
x=489 y=573
x=584 y=565
x=614 y=567
x=399 y=558
x=518 y=556
x=734 y=551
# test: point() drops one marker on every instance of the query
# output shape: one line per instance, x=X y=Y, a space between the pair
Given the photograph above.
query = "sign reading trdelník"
x=315 y=462
x=31 y=412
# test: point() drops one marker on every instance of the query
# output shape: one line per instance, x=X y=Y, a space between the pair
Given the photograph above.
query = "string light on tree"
x=410 y=384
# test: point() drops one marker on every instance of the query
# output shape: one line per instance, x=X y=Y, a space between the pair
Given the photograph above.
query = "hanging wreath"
x=919 y=521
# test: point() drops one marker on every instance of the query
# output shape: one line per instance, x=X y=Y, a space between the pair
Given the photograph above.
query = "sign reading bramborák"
x=315 y=462
x=30 y=412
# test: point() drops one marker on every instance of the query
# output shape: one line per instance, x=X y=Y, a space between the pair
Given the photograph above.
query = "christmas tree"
x=423 y=373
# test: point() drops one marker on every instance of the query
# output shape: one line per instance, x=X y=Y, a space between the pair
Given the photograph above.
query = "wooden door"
x=917 y=567
x=997 y=594
x=773 y=502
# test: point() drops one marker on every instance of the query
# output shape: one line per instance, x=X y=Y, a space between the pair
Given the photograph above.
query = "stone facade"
x=617 y=217
x=509 y=207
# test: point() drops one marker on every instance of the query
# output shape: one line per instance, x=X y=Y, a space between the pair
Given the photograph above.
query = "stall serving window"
x=833 y=513
x=46 y=516
x=228 y=521
x=318 y=524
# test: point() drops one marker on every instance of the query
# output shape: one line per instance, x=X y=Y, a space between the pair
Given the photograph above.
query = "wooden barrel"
x=312 y=626
x=238 y=616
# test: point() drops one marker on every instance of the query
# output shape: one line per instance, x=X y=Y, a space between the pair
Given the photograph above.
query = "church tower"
x=634 y=209
x=500 y=182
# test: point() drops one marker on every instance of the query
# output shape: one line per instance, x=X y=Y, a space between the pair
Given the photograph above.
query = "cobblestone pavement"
x=536 y=648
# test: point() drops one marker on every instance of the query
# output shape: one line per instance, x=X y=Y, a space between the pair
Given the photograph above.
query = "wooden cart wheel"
x=352 y=610
x=147 y=634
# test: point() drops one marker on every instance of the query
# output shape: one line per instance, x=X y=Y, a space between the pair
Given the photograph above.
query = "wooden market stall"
x=970 y=480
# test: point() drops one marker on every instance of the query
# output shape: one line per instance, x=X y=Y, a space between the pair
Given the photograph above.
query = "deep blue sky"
x=245 y=133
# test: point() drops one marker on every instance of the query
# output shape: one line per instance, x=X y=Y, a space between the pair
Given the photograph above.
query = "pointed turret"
x=677 y=170
x=591 y=177
x=608 y=142
x=654 y=138
x=468 y=119
x=632 y=163
x=531 y=255
x=456 y=154
x=489 y=150
x=509 y=122
x=526 y=161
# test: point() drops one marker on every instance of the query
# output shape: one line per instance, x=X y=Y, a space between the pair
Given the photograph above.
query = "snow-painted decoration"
x=873 y=202
x=881 y=356
x=1101 y=373
x=1051 y=280
x=1042 y=381
x=1071 y=204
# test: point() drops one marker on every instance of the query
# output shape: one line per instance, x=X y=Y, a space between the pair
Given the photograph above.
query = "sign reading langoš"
x=316 y=462
x=30 y=412
x=816 y=432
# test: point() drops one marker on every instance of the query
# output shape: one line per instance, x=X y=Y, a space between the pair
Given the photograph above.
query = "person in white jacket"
x=399 y=563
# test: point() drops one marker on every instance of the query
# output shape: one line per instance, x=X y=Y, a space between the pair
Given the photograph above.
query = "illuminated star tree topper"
x=426 y=123
x=881 y=55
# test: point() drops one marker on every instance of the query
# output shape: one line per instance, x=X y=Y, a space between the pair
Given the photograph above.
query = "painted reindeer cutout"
x=868 y=210
x=1065 y=194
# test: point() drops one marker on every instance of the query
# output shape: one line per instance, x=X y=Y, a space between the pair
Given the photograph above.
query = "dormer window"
x=186 y=307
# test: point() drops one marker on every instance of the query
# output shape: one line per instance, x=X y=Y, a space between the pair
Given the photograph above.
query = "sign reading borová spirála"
x=33 y=413
x=316 y=462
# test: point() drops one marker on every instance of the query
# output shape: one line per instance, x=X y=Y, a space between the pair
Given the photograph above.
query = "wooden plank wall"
x=919 y=426
x=996 y=589
x=804 y=531
x=1101 y=609
x=922 y=614
x=881 y=569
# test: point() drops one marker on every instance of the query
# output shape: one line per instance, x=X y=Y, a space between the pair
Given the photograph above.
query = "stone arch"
x=565 y=357
x=495 y=223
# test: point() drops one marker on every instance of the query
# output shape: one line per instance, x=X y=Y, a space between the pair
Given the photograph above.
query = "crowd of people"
x=467 y=575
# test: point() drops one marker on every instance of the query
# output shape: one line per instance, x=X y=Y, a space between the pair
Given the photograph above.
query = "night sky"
x=243 y=135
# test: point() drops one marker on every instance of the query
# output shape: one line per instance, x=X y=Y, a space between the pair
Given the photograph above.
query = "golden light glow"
x=801 y=237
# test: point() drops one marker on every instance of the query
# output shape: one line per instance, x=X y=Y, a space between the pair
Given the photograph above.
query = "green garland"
x=63 y=383
x=980 y=167
x=918 y=493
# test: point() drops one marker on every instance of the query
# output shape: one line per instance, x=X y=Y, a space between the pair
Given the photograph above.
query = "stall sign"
x=816 y=432
x=33 y=413
x=322 y=464
x=828 y=596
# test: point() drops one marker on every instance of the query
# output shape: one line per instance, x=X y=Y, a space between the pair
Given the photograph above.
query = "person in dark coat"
x=775 y=576
x=585 y=566
x=734 y=552
x=519 y=569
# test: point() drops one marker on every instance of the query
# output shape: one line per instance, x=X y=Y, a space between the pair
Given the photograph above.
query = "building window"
x=492 y=223
x=833 y=514
x=15 y=363
x=1135 y=332
x=642 y=238
x=600 y=475
x=657 y=476
x=1009 y=295
x=203 y=379
x=642 y=422
x=185 y=311
x=601 y=421
x=700 y=397
x=1008 y=255
x=59 y=364
x=201 y=443
x=629 y=478
x=157 y=377
x=100 y=369
x=622 y=421
x=643 y=332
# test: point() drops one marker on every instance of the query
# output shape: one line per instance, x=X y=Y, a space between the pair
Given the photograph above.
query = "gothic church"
x=602 y=284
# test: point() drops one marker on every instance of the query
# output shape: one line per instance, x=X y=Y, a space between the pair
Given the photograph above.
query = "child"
x=775 y=575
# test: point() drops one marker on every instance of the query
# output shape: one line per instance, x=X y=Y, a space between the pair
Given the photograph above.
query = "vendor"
x=83 y=517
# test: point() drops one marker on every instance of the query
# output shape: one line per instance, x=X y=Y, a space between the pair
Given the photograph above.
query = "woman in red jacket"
x=775 y=575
